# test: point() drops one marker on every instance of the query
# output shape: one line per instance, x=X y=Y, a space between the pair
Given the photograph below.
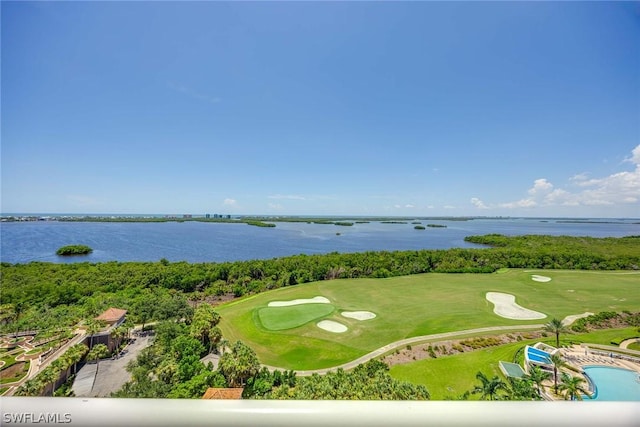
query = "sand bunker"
x=359 y=315
x=314 y=300
x=505 y=306
x=537 y=278
x=331 y=326
x=570 y=319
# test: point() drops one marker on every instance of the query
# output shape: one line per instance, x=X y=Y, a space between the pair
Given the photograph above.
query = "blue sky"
x=342 y=108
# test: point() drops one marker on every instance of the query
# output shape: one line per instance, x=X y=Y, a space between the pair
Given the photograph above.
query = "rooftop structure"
x=223 y=393
x=113 y=316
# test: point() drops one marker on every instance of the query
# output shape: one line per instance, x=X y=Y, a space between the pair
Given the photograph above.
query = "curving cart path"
x=401 y=343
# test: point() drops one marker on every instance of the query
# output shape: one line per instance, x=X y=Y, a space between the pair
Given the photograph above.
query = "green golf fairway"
x=288 y=317
x=411 y=306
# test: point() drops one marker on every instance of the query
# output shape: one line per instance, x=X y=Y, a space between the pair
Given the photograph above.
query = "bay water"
x=192 y=241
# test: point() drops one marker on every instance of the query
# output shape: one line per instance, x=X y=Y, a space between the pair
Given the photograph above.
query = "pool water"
x=614 y=384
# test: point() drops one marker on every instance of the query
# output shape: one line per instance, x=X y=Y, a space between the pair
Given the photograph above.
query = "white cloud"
x=275 y=206
x=622 y=188
x=522 y=203
x=579 y=177
x=540 y=186
x=635 y=156
x=478 y=203
x=230 y=202
x=409 y=206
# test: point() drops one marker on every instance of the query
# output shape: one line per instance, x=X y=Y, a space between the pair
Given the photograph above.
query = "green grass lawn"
x=411 y=306
x=450 y=376
x=288 y=317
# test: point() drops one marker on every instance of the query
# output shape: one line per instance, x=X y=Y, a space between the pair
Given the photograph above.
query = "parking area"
x=100 y=380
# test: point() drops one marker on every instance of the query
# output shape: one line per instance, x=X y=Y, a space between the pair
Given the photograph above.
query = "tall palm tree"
x=572 y=387
x=489 y=387
x=93 y=326
x=537 y=377
x=77 y=353
x=98 y=352
x=557 y=363
x=555 y=326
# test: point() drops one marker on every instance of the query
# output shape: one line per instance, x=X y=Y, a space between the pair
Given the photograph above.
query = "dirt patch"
x=433 y=350
x=12 y=370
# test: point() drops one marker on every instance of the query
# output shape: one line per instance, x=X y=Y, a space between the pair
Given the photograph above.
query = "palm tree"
x=49 y=376
x=98 y=352
x=538 y=376
x=572 y=387
x=128 y=325
x=118 y=335
x=93 y=326
x=556 y=327
x=522 y=389
x=76 y=353
x=32 y=387
x=557 y=363
x=489 y=387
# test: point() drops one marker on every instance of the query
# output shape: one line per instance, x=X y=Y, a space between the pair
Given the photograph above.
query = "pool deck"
x=580 y=357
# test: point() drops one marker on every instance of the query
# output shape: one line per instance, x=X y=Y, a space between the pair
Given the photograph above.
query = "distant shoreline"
x=319 y=219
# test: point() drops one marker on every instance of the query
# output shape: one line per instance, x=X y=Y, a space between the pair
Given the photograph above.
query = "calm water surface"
x=23 y=242
x=614 y=384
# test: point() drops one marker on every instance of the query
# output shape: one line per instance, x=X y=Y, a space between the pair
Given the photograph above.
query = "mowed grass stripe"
x=419 y=305
x=293 y=316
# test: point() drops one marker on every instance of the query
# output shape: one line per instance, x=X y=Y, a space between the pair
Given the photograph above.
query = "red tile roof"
x=112 y=315
x=223 y=393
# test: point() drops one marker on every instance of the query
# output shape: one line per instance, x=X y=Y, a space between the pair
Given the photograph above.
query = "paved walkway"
x=626 y=343
x=100 y=380
x=403 y=343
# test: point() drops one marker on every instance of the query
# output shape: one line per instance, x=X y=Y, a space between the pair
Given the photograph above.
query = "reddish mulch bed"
x=450 y=347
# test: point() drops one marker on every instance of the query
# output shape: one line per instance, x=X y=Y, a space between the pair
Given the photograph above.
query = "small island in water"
x=74 y=250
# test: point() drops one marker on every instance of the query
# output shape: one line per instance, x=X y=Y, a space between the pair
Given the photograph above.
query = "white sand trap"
x=314 y=300
x=331 y=326
x=505 y=306
x=359 y=315
x=570 y=319
x=537 y=278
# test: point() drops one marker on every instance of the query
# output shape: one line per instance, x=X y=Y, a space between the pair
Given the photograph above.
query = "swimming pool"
x=614 y=384
x=537 y=356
